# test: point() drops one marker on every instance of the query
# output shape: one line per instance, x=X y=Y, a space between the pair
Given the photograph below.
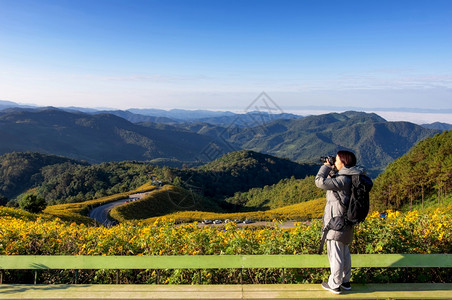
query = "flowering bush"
x=412 y=232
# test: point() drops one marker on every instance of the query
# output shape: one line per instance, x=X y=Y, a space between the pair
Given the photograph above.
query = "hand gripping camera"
x=329 y=159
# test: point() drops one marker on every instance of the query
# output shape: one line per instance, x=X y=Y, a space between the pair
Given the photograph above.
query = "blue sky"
x=222 y=54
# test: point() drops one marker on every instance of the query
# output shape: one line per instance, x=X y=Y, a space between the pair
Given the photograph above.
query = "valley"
x=104 y=136
x=204 y=172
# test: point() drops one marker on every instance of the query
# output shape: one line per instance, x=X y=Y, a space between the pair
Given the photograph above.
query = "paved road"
x=100 y=214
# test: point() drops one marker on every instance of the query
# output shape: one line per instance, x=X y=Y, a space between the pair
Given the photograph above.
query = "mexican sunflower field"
x=411 y=232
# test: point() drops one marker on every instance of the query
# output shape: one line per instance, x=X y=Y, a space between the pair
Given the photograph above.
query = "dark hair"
x=347 y=158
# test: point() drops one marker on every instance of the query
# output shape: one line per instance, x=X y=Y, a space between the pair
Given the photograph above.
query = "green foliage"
x=239 y=171
x=22 y=171
x=286 y=192
x=426 y=170
x=67 y=183
x=62 y=180
x=32 y=203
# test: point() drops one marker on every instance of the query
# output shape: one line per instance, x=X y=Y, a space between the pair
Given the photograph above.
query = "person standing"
x=332 y=178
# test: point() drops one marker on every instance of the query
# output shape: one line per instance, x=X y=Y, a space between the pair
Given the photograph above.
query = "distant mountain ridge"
x=173 y=116
x=438 y=125
x=9 y=104
x=94 y=138
x=376 y=141
x=181 y=114
x=104 y=137
x=185 y=118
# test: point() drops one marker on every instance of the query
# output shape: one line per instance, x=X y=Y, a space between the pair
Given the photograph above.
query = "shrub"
x=32 y=203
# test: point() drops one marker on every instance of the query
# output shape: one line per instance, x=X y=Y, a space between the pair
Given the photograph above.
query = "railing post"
x=76 y=276
x=117 y=276
x=158 y=276
x=283 y=276
x=241 y=276
x=1 y=276
x=36 y=277
x=199 y=276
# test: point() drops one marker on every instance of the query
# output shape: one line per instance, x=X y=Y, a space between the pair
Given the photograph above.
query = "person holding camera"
x=331 y=177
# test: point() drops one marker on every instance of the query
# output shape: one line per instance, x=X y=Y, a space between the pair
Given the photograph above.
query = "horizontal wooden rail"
x=35 y=262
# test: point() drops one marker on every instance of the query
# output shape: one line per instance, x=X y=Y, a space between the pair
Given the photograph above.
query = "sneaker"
x=327 y=287
x=346 y=286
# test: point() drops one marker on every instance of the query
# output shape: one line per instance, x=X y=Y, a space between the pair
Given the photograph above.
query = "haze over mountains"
x=198 y=137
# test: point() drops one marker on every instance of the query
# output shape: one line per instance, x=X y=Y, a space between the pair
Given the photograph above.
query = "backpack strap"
x=336 y=194
x=335 y=223
x=322 y=241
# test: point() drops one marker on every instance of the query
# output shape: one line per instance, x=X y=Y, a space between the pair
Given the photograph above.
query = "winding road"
x=100 y=214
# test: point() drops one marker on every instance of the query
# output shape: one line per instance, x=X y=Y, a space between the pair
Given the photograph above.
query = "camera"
x=330 y=159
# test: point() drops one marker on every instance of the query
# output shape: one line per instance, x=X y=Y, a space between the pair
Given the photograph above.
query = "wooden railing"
x=39 y=262
x=219 y=291
x=30 y=262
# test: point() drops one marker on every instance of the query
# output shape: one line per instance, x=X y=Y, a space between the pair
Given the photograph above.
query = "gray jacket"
x=341 y=184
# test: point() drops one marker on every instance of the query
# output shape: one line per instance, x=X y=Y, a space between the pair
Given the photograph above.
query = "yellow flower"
x=375 y=214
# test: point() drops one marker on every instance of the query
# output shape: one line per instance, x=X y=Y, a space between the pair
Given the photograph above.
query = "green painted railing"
x=32 y=262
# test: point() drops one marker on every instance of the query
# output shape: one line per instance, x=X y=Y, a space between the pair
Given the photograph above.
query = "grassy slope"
x=169 y=199
x=77 y=212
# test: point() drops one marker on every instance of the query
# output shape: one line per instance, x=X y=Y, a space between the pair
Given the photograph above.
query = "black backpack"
x=356 y=209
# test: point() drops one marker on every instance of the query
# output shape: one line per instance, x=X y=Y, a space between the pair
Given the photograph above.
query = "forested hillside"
x=238 y=172
x=107 y=137
x=375 y=141
x=425 y=171
x=62 y=180
x=22 y=171
x=67 y=183
x=95 y=138
x=286 y=192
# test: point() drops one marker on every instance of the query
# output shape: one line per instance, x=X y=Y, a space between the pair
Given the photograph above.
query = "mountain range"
x=225 y=118
x=95 y=138
x=99 y=136
x=375 y=141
